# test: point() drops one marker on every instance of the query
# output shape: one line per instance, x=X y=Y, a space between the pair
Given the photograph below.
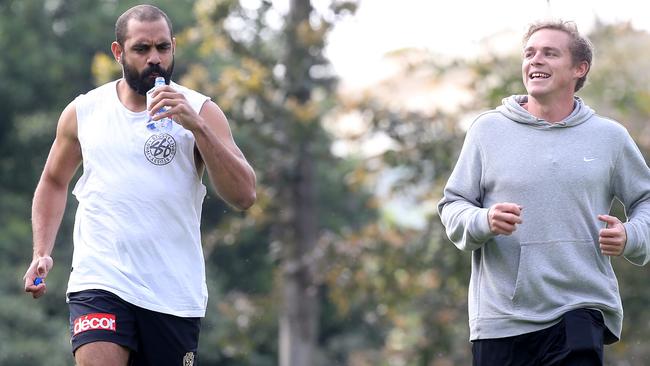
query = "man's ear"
x=582 y=69
x=117 y=51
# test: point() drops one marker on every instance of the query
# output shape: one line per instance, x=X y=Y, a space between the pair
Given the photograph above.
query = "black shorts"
x=153 y=338
x=577 y=340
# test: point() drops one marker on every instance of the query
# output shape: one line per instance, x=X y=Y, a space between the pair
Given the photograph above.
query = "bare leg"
x=102 y=354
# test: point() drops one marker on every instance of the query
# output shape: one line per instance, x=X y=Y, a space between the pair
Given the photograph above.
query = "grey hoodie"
x=564 y=175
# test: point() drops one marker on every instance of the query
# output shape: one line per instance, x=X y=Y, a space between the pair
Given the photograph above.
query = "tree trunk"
x=300 y=309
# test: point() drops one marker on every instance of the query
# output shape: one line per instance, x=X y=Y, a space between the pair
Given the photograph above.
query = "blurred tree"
x=399 y=273
x=265 y=67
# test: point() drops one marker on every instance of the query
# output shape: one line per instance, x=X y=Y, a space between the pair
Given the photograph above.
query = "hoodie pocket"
x=553 y=274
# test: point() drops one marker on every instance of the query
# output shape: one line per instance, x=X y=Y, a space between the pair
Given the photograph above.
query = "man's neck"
x=551 y=110
x=129 y=98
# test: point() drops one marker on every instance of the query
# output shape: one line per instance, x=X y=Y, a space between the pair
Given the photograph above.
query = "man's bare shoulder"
x=67 y=125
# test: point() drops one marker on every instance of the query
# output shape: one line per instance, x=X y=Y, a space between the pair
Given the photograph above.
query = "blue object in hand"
x=38 y=281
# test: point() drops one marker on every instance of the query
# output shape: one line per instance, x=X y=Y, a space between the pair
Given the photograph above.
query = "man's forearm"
x=229 y=172
x=47 y=212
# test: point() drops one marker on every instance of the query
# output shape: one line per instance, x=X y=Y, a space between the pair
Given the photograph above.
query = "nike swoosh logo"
x=588 y=159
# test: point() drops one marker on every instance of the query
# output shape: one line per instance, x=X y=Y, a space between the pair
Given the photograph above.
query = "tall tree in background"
x=300 y=309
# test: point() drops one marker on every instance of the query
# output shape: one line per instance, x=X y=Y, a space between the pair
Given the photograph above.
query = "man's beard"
x=142 y=82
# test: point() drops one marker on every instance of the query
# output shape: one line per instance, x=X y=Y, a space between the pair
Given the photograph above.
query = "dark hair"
x=580 y=47
x=142 y=13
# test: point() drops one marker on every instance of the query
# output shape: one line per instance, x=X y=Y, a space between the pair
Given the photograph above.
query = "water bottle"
x=163 y=124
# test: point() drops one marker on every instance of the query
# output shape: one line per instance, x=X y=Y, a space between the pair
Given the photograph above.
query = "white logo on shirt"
x=588 y=159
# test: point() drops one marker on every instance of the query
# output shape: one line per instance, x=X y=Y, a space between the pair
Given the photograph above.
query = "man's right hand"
x=39 y=267
x=504 y=217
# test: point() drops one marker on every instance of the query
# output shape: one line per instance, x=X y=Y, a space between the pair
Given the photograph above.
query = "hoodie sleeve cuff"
x=480 y=229
x=633 y=251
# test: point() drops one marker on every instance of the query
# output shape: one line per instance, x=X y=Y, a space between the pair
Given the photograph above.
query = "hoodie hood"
x=513 y=110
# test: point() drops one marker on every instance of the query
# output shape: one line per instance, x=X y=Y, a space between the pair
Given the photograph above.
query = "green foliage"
x=273 y=104
x=496 y=76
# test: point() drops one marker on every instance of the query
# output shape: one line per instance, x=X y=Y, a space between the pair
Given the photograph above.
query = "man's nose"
x=154 y=57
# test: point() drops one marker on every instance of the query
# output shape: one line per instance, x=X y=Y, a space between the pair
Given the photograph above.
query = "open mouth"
x=539 y=75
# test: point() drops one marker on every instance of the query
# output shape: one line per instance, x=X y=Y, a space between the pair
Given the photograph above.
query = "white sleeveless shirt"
x=137 y=227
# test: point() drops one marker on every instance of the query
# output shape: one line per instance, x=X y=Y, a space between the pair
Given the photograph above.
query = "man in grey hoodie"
x=530 y=197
